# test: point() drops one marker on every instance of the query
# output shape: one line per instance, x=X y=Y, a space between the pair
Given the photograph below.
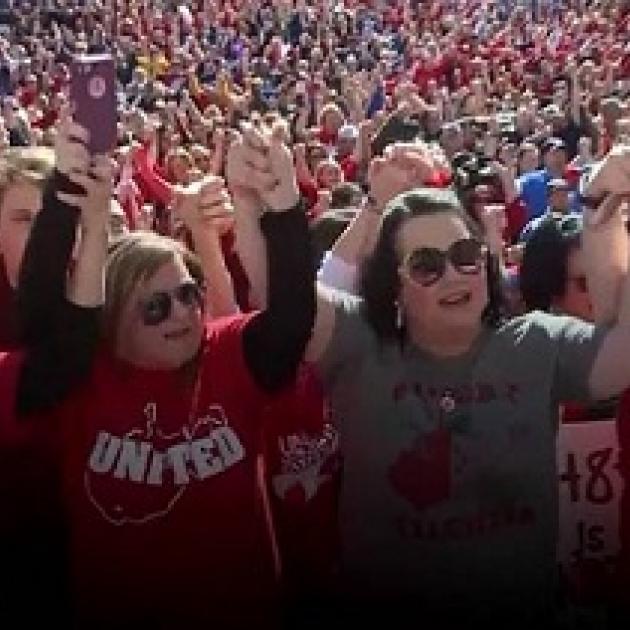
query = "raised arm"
x=60 y=317
x=610 y=374
x=275 y=338
x=206 y=210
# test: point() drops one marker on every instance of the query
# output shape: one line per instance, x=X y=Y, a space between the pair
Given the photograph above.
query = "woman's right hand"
x=93 y=176
x=402 y=168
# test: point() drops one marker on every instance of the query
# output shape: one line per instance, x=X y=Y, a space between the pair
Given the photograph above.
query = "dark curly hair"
x=544 y=271
x=380 y=283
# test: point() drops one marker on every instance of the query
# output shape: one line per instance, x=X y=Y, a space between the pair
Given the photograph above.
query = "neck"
x=445 y=342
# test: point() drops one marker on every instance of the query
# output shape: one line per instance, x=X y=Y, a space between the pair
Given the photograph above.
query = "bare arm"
x=610 y=374
x=206 y=210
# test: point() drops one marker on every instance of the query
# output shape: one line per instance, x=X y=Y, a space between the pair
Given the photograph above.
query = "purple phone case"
x=93 y=95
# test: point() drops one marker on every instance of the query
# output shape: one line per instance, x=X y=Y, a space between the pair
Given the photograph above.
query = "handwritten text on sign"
x=590 y=491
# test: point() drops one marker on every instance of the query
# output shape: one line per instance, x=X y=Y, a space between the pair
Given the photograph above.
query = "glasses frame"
x=444 y=257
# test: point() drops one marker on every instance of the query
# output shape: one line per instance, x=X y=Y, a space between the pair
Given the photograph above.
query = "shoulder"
x=229 y=329
x=544 y=327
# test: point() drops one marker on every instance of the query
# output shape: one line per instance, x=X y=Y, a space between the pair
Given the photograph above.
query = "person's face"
x=180 y=170
x=333 y=120
x=345 y=146
x=530 y=160
x=559 y=200
x=454 y=300
x=144 y=340
x=20 y=205
x=330 y=175
x=556 y=159
x=576 y=300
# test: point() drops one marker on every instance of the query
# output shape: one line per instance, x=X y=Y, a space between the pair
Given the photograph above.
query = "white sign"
x=590 y=489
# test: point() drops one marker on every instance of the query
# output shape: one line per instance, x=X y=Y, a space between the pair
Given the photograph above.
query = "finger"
x=76 y=133
x=218 y=197
x=606 y=210
x=81 y=179
x=75 y=157
x=253 y=137
x=260 y=180
x=256 y=159
x=102 y=174
x=70 y=200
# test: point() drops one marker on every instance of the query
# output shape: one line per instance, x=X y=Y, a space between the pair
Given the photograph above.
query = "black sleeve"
x=59 y=338
x=42 y=282
x=275 y=339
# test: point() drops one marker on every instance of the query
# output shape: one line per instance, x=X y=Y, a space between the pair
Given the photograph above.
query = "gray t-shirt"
x=449 y=487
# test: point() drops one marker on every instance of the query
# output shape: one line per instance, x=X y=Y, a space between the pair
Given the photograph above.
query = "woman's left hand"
x=205 y=205
x=95 y=203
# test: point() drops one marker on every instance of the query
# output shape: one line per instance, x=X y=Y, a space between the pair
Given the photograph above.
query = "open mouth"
x=173 y=335
x=456 y=299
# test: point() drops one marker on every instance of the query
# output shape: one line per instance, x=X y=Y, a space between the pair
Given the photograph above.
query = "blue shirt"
x=535 y=196
x=533 y=190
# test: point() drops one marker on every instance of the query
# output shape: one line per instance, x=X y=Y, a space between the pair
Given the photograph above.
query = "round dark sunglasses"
x=426 y=265
x=157 y=308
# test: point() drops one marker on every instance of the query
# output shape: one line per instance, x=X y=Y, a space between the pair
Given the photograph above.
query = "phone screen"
x=93 y=97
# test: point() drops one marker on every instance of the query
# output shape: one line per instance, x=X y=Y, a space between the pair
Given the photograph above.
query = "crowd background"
x=509 y=103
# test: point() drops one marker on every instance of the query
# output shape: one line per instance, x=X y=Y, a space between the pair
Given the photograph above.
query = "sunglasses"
x=158 y=307
x=426 y=265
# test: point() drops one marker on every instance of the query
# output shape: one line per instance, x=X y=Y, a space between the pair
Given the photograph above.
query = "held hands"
x=403 y=167
x=610 y=175
x=205 y=206
x=260 y=166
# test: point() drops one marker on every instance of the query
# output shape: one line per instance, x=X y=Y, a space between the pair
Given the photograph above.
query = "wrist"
x=372 y=206
x=94 y=232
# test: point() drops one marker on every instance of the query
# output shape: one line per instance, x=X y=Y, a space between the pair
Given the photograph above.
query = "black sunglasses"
x=427 y=265
x=157 y=308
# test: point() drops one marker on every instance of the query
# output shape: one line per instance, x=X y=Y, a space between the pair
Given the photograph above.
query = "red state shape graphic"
x=422 y=474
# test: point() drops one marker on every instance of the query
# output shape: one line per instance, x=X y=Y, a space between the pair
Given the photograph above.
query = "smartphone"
x=395 y=129
x=93 y=97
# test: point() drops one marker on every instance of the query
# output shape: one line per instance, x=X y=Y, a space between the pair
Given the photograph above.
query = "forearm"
x=611 y=371
x=357 y=241
x=43 y=273
x=252 y=252
x=275 y=340
x=220 y=298
x=216 y=164
x=86 y=287
x=606 y=251
x=50 y=371
x=159 y=189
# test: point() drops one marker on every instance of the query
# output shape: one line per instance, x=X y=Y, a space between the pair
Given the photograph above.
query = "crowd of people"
x=296 y=350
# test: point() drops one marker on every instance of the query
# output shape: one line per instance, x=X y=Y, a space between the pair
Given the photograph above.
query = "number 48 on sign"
x=589 y=491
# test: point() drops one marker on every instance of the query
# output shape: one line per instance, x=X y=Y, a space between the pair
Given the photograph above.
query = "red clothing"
x=623 y=434
x=516 y=215
x=153 y=186
x=164 y=491
x=350 y=167
x=302 y=463
x=8 y=313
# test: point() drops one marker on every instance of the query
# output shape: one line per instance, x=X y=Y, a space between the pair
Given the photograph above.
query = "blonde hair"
x=134 y=258
x=31 y=165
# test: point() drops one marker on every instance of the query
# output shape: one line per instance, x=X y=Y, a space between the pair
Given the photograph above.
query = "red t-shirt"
x=623 y=435
x=8 y=313
x=164 y=490
x=302 y=463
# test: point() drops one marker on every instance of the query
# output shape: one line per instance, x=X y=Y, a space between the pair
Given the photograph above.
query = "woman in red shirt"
x=155 y=417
